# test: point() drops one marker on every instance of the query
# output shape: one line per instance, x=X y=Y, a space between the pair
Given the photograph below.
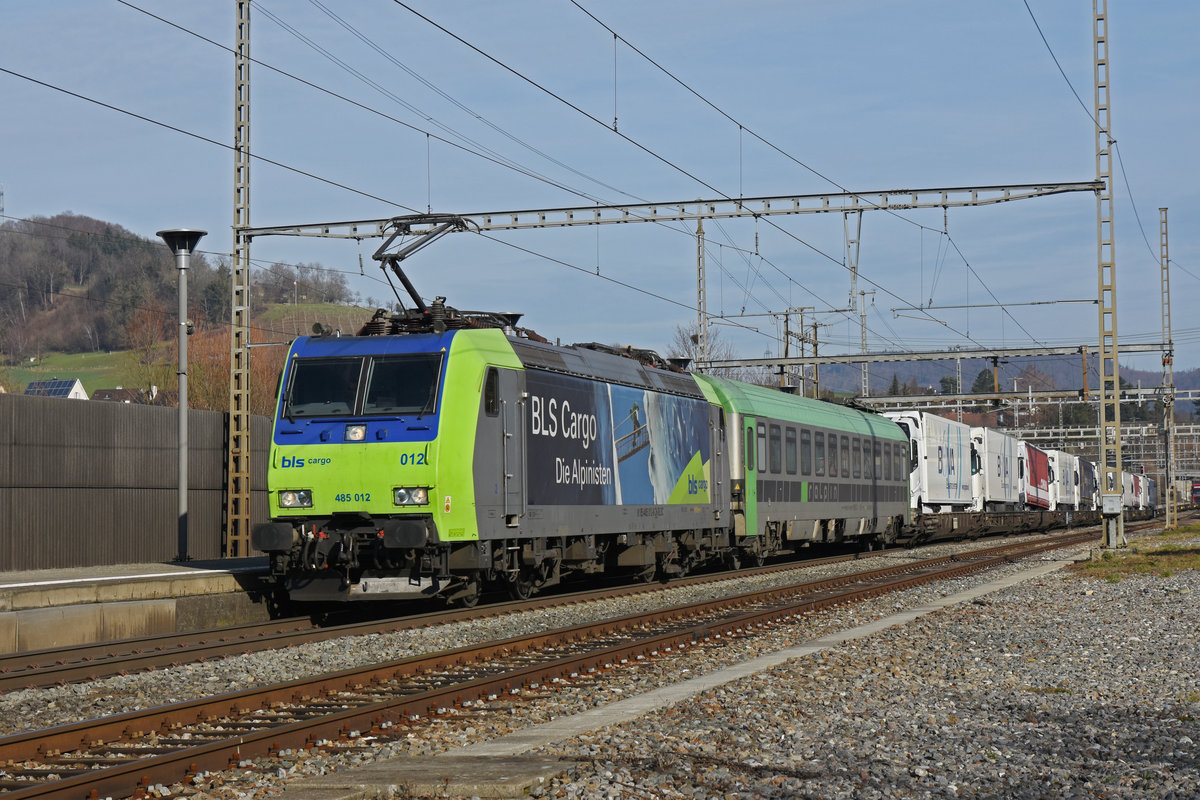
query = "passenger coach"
x=807 y=471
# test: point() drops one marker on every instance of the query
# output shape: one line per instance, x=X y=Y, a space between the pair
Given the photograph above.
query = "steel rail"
x=56 y=665
x=92 y=661
x=76 y=663
x=47 y=747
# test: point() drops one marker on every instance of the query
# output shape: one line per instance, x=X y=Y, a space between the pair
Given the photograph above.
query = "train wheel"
x=469 y=598
x=520 y=586
x=646 y=575
x=278 y=605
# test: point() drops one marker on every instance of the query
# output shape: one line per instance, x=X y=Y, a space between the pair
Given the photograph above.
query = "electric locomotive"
x=417 y=464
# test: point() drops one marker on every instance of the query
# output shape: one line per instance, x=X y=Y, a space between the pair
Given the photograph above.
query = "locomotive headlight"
x=356 y=433
x=295 y=498
x=410 y=496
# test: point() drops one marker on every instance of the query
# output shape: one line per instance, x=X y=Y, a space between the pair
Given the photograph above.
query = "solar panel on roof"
x=53 y=388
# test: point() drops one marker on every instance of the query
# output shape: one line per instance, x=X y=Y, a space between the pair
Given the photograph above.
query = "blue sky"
x=859 y=95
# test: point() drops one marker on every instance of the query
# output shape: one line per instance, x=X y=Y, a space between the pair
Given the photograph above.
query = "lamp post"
x=182 y=242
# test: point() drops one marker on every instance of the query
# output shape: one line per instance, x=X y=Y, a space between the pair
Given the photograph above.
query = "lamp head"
x=181 y=239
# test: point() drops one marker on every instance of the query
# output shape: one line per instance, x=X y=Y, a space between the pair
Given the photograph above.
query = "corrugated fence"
x=85 y=483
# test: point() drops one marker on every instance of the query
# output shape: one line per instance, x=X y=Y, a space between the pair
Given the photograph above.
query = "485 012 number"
x=356 y=497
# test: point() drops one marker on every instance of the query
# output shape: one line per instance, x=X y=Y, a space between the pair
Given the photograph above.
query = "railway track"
x=73 y=664
x=119 y=756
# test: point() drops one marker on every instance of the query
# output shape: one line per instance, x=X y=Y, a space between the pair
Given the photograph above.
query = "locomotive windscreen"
x=331 y=387
x=403 y=384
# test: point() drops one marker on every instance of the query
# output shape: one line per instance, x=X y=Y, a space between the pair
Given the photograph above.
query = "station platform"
x=47 y=608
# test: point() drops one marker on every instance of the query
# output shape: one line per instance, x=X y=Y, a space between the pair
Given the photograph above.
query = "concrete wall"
x=69 y=612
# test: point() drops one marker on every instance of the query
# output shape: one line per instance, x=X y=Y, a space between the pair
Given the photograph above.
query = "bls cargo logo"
x=289 y=461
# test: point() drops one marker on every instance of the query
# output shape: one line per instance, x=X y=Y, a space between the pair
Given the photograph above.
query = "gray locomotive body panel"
x=590 y=443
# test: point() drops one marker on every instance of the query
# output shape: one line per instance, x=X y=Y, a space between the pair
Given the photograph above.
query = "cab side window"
x=491 y=393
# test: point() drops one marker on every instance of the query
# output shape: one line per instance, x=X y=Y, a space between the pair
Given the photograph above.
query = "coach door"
x=716 y=463
x=513 y=438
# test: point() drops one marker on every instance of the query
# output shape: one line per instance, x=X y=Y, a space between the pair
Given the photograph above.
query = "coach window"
x=789 y=450
x=898 y=463
x=878 y=448
x=762 y=447
x=805 y=452
x=867 y=471
x=749 y=443
x=856 y=457
x=845 y=459
x=776 y=450
x=887 y=461
x=819 y=453
x=833 y=455
x=491 y=393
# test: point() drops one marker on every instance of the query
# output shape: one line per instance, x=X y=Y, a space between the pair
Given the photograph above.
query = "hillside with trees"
x=73 y=284
x=76 y=284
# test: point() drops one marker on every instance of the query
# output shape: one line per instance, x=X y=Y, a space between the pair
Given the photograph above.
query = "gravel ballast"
x=1057 y=687
x=1054 y=687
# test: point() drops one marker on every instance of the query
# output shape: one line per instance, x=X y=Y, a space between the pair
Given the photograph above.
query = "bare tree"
x=208 y=372
x=147 y=333
x=686 y=344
